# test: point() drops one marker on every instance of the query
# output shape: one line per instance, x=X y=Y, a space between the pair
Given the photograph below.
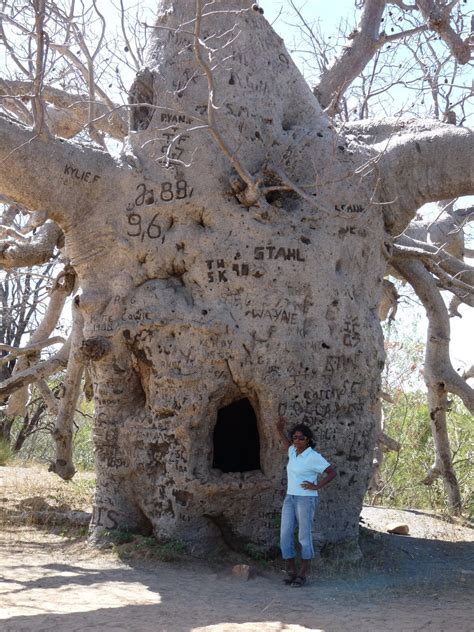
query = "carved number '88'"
x=168 y=192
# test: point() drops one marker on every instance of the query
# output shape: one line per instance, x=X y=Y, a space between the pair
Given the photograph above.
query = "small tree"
x=23 y=297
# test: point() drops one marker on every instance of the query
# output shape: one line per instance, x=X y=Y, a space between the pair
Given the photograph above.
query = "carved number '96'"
x=138 y=228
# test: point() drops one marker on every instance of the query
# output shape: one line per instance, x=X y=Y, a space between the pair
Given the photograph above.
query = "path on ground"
x=48 y=585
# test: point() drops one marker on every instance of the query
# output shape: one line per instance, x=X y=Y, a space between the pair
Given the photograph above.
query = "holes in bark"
x=141 y=94
x=283 y=199
x=95 y=348
x=236 y=441
x=287 y=124
x=200 y=221
x=272 y=197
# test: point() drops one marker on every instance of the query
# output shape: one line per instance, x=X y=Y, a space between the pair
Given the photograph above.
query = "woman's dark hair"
x=307 y=432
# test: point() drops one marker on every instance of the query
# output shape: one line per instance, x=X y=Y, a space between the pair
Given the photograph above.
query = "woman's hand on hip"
x=309 y=486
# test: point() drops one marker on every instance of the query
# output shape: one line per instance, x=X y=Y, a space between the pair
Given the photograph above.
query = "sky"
x=330 y=13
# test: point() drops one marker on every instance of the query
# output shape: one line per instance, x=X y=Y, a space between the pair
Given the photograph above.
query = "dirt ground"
x=51 y=580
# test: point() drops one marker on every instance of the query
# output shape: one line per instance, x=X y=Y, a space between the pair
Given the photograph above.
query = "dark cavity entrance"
x=236 y=440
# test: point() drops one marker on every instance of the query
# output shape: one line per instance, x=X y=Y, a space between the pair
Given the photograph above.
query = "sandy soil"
x=49 y=581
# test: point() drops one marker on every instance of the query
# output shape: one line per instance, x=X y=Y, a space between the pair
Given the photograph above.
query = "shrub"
x=403 y=473
x=5 y=452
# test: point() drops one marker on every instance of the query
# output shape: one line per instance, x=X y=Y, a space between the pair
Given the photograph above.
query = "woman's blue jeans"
x=297 y=510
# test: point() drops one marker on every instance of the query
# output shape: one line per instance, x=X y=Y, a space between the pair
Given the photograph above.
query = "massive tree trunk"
x=237 y=253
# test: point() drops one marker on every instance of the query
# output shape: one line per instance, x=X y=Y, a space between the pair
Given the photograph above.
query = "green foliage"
x=39 y=446
x=254 y=553
x=407 y=421
x=128 y=546
x=405 y=348
x=118 y=536
x=83 y=449
x=5 y=452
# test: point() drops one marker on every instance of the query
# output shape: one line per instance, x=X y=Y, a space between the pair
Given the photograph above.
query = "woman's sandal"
x=298 y=582
x=290 y=579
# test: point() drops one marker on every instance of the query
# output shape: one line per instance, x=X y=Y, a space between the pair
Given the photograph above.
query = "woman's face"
x=300 y=441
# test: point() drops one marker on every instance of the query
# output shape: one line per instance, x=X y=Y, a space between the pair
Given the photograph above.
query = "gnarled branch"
x=66 y=113
x=63 y=428
x=438 y=367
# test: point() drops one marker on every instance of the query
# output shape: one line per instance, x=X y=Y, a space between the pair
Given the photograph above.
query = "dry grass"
x=31 y=491
x=34 y=499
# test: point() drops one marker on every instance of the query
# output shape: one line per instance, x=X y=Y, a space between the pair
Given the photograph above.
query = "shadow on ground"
x=402 y=584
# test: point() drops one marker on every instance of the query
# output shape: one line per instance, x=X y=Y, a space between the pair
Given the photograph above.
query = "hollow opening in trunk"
x=236 y=441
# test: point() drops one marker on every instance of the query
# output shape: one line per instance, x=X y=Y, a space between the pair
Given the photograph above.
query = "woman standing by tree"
x=301 y=498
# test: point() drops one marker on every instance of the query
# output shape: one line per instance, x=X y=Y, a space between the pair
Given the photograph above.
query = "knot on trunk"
x=66 y=280
x=62 y=468
x=141 y=98
x=95 y=348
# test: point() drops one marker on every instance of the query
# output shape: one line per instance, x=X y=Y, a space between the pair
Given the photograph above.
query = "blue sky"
x=328 y=12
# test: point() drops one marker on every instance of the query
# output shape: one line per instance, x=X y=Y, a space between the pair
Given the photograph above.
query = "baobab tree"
x=230 y=265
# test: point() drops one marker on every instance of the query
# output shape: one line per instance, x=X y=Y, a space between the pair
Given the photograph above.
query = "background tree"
x=403 y=477
x=268 y=164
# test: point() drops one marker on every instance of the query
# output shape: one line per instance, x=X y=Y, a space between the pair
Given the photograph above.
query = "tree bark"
x=67 y=114
x=39 y=164
x=63 y=427
x=413 y=158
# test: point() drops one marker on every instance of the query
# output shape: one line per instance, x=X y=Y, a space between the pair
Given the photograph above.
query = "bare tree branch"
x=353 y=59
x=40 y=128
x=37 y=163
x=62 y=287
x=438 y=19
x=15 y=352
x=439 y=375
x=18 y=251
x=63 y=429
x=438 y=367
x=452 y=273
x=417 y=153
x=40 y=371
x=69 y=113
